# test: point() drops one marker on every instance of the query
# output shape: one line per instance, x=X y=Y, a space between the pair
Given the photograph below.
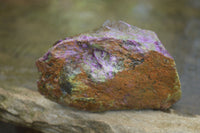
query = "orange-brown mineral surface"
x=116 y=67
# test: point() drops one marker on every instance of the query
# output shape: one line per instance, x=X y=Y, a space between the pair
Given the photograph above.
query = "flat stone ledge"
x=26 y=107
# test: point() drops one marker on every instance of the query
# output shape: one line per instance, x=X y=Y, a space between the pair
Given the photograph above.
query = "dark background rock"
x=10 y=128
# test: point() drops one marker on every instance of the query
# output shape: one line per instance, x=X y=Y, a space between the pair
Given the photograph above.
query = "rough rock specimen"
x=116 y=67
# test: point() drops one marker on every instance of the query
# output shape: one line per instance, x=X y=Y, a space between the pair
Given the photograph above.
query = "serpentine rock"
x=117 y=67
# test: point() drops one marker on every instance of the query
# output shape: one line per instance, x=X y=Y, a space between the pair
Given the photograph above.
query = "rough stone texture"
x=29 y=108
x=116 y=67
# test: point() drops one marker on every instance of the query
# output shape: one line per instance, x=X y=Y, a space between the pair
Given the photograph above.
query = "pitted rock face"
x=116 y=67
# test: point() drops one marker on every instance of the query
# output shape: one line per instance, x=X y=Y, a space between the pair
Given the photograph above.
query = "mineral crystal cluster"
x=116 y=67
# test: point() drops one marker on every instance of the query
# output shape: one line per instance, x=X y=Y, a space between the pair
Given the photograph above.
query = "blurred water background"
x=29 y=27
